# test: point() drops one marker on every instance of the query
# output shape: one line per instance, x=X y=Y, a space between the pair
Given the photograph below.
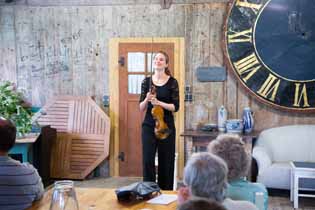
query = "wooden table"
x=207 y=136
x=102 y=199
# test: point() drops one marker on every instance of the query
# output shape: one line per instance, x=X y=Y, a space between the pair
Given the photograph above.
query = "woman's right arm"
x=144 y=98
x=144 y=104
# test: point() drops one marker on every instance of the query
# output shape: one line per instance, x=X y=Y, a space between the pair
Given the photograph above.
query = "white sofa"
x=276 y=147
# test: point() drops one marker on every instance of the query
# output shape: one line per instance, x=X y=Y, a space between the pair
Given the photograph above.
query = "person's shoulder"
x=256 y=187
x=22 y=173
x=172 y=80
x=146 y=79
x=10 y=161
x=28 y=167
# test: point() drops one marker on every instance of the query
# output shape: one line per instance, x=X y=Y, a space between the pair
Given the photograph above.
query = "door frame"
x=179 y=74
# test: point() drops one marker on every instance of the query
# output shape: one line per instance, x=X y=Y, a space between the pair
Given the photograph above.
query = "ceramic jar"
x=234 y=126
x=248 y=120
x=222 y=117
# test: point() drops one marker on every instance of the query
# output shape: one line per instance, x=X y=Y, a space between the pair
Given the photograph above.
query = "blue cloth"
x=244 y=190
x=20 y=184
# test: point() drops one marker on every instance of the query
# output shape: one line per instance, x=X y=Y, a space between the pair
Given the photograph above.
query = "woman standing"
x=166 y=96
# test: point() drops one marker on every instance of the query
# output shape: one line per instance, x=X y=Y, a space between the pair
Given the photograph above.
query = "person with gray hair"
x=232 y=150
x=205 y=176
x=201 y=204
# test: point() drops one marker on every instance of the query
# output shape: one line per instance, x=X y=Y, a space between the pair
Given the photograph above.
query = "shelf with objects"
x=198 y=140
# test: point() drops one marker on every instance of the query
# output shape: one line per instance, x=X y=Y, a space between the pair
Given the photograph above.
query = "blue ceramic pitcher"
x=248 y=120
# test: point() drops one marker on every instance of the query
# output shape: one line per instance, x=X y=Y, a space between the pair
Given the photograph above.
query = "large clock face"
x=270 y=45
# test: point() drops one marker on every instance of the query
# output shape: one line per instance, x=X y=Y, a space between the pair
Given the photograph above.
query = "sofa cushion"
x=287 y=143
x=276 y=176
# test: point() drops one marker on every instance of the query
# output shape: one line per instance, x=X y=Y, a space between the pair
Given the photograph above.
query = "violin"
x=161 y=129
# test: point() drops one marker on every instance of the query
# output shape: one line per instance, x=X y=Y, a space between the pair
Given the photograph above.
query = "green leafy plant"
x=12 y=107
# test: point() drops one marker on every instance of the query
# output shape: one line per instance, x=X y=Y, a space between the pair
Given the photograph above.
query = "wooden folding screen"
x=82 y=135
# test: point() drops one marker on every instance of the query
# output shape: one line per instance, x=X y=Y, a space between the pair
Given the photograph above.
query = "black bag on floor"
x=137 y=191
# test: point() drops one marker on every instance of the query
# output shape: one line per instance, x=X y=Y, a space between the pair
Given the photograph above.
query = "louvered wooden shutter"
x=82 y=135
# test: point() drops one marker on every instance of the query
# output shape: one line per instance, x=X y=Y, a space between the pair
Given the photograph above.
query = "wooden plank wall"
x=7 y=45
x=52 y=50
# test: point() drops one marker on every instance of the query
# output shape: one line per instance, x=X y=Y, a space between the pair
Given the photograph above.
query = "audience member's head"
x=205 y=175
x=7 y=135
x=231 y=148
x=201 y=204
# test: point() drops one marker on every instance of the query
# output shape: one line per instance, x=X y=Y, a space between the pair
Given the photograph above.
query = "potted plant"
x=13 y=107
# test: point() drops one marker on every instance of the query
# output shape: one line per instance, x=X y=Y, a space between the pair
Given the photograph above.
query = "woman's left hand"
x=155 y=102
x=169 y=107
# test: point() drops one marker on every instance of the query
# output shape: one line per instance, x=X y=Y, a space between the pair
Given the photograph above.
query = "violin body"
x=161 y=129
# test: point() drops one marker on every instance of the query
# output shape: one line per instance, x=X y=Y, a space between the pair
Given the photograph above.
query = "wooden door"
x=134 y=65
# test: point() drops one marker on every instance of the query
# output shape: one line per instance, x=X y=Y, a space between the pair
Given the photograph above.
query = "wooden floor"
x=283 y=203
x=278 y=200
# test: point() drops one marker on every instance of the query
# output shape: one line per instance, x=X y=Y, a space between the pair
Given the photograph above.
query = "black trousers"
x=166 y=156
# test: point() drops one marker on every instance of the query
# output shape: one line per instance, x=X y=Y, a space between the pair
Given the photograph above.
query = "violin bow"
x=151 y=66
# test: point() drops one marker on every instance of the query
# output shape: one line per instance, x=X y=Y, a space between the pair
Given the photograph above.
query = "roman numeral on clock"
x=247 y=66
x=242 y=36
x=299 y=94
x=244 y=3
x=270 y=86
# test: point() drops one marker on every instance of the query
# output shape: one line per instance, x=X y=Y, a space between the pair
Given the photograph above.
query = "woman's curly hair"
x=231 y=148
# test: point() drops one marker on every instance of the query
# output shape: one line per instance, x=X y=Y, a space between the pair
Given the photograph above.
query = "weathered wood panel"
x=215 y=57
x=7 y=45
x=60 y=51
x=205 y=51
x=56 y=50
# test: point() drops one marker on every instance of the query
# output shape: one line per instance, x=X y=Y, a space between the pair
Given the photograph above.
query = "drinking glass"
x=259 y=200
x=64 y=197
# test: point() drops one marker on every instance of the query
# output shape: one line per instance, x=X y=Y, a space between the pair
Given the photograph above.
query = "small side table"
x=23 y=146
x=300 y=170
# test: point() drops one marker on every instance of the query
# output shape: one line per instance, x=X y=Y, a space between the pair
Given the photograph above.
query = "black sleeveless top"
x=167 y=93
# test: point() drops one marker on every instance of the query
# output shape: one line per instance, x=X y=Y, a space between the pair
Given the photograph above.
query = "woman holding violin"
x=160 y=98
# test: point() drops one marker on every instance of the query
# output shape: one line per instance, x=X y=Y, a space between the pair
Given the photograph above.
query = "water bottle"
x=259 y=200
x=248 y=120
x=222 y=117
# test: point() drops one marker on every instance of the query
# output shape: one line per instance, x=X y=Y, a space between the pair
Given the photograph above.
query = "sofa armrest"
x=262 y=158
